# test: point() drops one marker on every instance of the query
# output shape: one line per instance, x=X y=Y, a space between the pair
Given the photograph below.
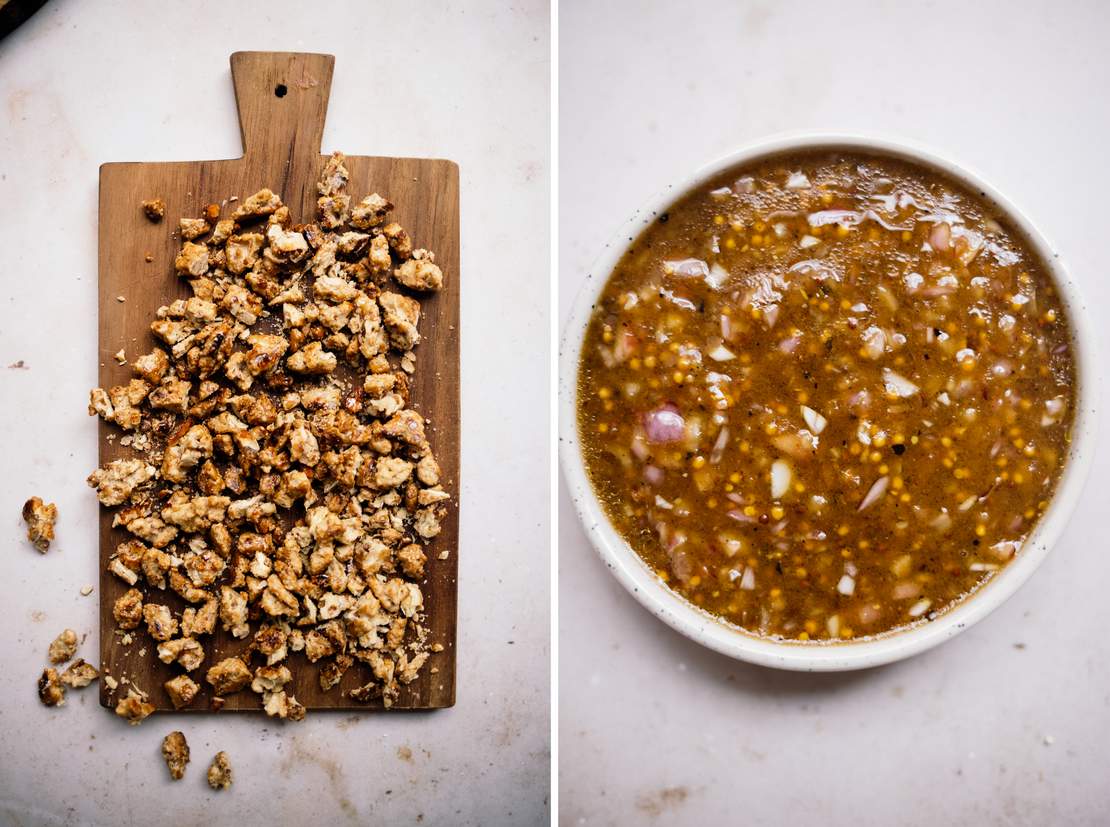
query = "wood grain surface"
x=282 y=100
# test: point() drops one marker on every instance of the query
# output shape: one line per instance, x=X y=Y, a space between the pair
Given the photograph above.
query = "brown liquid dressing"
x=827 y=395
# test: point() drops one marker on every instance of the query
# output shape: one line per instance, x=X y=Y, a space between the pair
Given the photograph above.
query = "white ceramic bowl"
x=704 y=628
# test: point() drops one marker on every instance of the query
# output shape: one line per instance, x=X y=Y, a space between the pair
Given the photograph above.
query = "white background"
x=654 y=729
x=84 y=83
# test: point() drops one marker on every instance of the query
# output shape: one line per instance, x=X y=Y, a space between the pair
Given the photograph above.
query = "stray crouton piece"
x=133 y=708
x=219 y=773
x=63 y=647
x=79 y=674
x=175 y=750
x=51 y=691
x=40 y=518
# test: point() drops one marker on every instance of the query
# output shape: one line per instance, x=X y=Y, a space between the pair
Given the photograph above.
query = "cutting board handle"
x=282 y=99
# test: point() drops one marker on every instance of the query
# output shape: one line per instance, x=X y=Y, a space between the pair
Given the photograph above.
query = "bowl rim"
x=716 y=634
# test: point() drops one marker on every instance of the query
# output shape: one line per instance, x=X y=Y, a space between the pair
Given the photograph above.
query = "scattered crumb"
x=148 y=258
x=86 y=591
x=40 y=518
x=219 y=773
x=154 y=209
x=18 y=366
x=111 y=682
x=1049 y=740
x=120 y=299
x=443 y=555
x=121 y=357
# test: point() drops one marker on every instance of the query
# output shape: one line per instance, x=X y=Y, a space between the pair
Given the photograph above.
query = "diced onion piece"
x=665 y=424
x=847 y=585
x=878 y=488
x=744 y=185
x=732 y=546
x=874 y=342
x=662 y=503
x=847 y=218
x=653 y=474
x=921 y=606
x=941 y=522
x=898 y=385
x=717 y=276
x=941 y=237
x=977 y=566
x=797 y=181
x=790 y=344
x=686 y=267
x=719 y=447
x=905 y=589
x=780 y=229
x=814 y=421
x=968 y=503
x=720 y=193
x=747 y=582
x=721 y=354
x=833 y=625
x=781 y=475
x=808 y=241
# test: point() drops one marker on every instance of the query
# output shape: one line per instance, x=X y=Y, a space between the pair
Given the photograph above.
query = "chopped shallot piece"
x=781 y=476
x=941 y=522
x=721 y=354
x=747 y=582
x=797 y=181
x=874 y=342
x=941 y=236
x=814 y=421
x=719 y=447
x=847 y=218
x=790 y=344
x=898 y=385
x=717 y=276
x=800 y=445
x=732 y=546
x=744 y=185
x=905 y=589
x=665 y=424
x=653 y=474
x=686 y=267
x=878 y=488
x=662 y=503
x=847 y=585
x=920 y=607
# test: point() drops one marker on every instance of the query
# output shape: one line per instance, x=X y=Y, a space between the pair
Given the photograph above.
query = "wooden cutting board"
x=282 y=100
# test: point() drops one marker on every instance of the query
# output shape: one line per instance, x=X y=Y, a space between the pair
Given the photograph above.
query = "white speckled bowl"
x=704 y=628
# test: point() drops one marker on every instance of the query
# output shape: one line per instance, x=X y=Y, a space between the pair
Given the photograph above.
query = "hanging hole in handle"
x=280 y=90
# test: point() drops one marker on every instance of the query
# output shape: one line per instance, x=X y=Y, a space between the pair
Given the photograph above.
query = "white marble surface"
x=84 y=83
x=1007 y=724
